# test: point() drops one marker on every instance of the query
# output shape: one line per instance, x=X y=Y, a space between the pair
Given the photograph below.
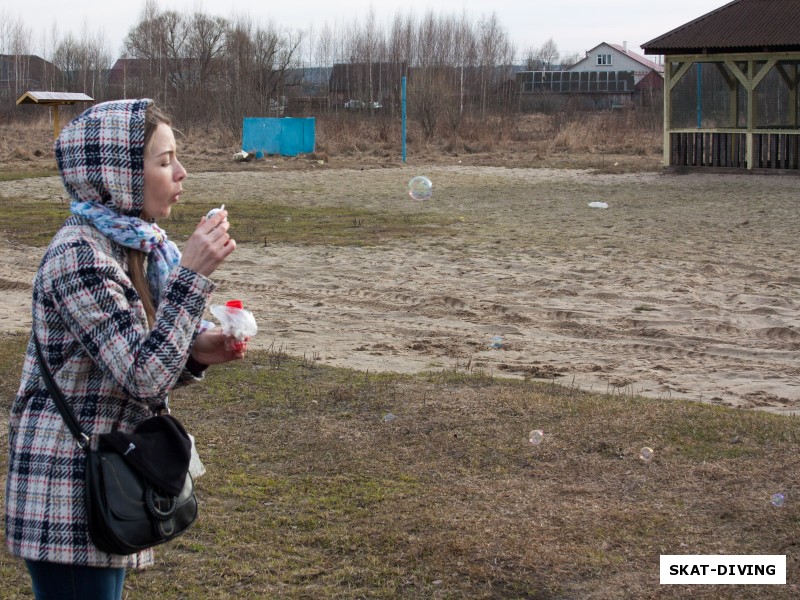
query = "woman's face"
x=163 y=174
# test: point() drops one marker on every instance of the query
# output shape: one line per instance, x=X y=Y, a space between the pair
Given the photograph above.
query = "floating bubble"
x=420 y=188
x=497 y=342
x=777 y=500
x=646 y=454
x=536 y=436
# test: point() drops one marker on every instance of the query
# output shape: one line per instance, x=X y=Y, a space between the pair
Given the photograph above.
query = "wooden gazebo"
x=730 y=88
x=53 y=100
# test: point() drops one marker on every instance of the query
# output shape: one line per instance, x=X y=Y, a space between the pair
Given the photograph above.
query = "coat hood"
x=100 y=155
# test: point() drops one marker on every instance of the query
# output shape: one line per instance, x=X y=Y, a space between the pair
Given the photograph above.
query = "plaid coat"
x=111 y=367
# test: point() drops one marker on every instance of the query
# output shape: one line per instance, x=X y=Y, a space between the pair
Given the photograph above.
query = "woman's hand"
x=213 y=347
x=209 y=245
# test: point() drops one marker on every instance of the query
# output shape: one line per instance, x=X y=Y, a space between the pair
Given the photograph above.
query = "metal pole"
x=403 y=104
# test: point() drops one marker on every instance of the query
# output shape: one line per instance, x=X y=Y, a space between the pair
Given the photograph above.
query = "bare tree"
x=494 y=49
x=548 y=55
x=570 y=59
x=424 y=92
x=14 y=42
x=323 y=55
x=68 y=57
x=399 y=48
x=369 y=50
x=82 y=63
x=425 y=99
x=204 y=52
x=145 y=43
x=532 y=60
x=50 y=40
x=256 y=61
x=174 y=31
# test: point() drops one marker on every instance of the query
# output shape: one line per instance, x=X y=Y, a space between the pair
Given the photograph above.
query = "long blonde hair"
x=153 y=118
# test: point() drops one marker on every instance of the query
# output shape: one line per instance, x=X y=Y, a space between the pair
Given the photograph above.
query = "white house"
x=613 y=57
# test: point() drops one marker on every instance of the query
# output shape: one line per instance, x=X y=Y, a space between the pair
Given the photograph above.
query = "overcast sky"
x=574 y=25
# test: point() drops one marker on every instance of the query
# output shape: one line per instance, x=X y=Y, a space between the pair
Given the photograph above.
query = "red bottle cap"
x=234 y=304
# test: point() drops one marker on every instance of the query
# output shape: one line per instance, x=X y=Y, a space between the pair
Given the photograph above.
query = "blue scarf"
x=133 y=232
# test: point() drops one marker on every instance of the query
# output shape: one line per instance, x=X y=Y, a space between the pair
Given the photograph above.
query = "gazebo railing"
x=771 y=149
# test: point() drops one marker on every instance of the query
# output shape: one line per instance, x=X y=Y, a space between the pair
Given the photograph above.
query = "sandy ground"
x=686 y=286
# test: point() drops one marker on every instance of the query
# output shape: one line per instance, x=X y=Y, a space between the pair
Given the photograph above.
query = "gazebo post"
x=56 y=125
x=667 y=113
x=751 y=113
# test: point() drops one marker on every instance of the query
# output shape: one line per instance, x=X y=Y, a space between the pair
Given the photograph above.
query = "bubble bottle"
x=214 y=211
x=237 y=322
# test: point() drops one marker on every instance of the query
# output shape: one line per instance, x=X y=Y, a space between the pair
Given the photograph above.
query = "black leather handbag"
x=139 y=492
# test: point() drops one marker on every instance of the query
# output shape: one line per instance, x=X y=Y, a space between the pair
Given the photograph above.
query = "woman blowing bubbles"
x=117 y=310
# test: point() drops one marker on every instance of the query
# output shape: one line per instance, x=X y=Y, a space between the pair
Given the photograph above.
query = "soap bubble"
x=536 y=436
x=777 y=500
x=497 y=342
x=646 y=454
x=420 y=188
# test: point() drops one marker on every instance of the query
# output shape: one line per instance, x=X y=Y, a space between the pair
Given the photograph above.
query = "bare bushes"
x=623 y=132
x=346 y=134
x=378 y=136
x=26 y=139
x=619 y=131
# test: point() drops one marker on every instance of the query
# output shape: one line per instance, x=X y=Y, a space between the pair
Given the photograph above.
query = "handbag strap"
x=58 y=398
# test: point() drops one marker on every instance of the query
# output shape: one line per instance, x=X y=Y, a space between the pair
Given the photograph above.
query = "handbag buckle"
x=84 y=442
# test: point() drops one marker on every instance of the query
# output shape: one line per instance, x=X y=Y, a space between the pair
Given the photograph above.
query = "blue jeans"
x=53 y=581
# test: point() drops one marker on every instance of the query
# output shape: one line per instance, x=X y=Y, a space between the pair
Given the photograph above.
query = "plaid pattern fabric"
x=110 y=366
x=100 y=155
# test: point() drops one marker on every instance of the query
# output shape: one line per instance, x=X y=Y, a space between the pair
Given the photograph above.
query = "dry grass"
x=312 y=493
x=350 y=140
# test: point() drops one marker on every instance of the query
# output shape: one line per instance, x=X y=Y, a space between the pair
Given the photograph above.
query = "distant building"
x=612 y=57
x=610 y=76
x=127 y=71
x=22 y=72
x=365 y=82
x=306 y=88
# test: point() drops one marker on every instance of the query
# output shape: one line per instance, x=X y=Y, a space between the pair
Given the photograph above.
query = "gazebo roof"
x=48 y=98
x=739 y=26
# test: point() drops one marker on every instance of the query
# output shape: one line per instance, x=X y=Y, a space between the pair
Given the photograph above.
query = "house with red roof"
x=615 y=57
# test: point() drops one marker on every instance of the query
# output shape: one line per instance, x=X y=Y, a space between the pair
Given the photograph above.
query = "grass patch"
x=644 y=308
x=270 y=223
x=36 y=221
x=310 y=493
x=15 y=175
x=32 y=222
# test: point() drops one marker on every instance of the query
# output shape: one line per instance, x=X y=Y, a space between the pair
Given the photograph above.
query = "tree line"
x=213 y=70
